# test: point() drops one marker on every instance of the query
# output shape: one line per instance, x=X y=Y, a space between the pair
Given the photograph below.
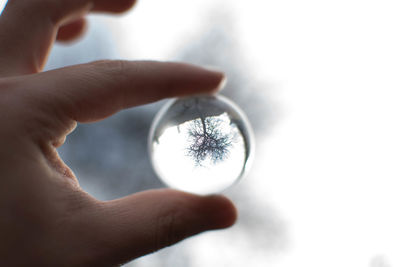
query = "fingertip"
x=216 y=78
x=72 y=31
x=125 y=5
x=116 y=6
x=222 y=212
x=222 y=83
x=128 y=5
x=205 y=212
x=198 y=80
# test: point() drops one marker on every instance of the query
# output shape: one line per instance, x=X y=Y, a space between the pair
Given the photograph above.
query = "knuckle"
x=110 y=66
x=8 y=100
x=114 y=73
x=32 y=115
x=39 y=6
x=54 y=11
x=166 y=234
x=170 y=228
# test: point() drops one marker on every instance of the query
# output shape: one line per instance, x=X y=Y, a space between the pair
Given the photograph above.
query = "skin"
x=46 y=218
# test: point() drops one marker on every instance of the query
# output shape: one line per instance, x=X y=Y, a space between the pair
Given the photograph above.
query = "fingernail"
x=222 y=84
x=224 y=79
x=212 y=80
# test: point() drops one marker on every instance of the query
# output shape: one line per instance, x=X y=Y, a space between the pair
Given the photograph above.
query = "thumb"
x=142 y=223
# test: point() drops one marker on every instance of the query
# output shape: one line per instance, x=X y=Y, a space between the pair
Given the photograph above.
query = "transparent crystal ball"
x=201 y=144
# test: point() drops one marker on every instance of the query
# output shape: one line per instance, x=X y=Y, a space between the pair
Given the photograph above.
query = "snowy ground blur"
x=320 y=83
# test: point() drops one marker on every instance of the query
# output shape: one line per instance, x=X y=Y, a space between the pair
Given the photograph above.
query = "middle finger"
x=28 y=29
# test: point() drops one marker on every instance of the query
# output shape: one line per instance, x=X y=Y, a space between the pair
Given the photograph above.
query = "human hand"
x=46 y=218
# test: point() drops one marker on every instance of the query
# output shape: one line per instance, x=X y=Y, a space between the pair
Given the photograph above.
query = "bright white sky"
x=330 y=166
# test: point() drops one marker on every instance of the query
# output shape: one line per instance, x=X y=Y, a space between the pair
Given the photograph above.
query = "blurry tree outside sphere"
x=201 y=144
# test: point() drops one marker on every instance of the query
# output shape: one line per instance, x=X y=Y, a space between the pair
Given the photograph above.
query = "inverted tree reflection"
x=207 y=140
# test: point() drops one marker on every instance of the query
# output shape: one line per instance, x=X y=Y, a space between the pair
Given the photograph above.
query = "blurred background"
x=319 y=81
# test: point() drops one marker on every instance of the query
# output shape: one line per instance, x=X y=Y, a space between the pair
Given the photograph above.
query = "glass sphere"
x=201 y=144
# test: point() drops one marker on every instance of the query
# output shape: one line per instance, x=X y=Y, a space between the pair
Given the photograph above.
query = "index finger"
x=93 y=91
